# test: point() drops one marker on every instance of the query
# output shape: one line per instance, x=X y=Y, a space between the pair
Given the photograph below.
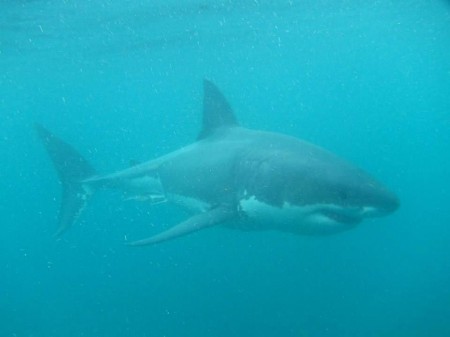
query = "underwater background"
x=122 y=81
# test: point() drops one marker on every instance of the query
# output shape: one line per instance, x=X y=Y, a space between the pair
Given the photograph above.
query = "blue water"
x=122 y=80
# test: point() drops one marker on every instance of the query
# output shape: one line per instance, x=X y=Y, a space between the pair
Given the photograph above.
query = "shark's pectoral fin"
x=200 y=221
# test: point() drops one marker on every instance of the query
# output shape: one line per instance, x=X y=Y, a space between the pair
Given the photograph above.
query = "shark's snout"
x=348 y=216
x=387 y=203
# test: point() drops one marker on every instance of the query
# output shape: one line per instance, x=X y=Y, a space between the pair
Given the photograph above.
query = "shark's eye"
x=343 y=195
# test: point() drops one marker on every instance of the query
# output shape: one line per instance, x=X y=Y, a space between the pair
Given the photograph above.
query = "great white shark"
x=232 y=176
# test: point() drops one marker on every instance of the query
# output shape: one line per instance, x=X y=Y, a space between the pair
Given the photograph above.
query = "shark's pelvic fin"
x=72 y=169
x=200 y=221
x=217 y=111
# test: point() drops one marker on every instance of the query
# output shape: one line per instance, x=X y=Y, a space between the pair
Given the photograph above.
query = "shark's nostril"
x=390 y=203
x=394 y=204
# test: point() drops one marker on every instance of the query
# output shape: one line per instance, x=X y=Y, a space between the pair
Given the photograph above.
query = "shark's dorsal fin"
x=217 y=111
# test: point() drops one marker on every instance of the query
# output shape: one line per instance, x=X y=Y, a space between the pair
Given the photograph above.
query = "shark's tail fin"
x=72 y=169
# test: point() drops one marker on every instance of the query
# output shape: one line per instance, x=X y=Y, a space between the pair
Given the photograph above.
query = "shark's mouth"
x=341 y=216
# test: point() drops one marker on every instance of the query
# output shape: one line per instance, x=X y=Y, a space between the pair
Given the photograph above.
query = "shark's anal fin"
x=200 y=221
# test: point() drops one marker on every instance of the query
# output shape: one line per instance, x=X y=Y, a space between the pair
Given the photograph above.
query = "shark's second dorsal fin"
x=217 y=111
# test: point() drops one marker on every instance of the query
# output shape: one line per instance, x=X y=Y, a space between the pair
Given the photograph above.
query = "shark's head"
x=305 y=189
x=339 y=195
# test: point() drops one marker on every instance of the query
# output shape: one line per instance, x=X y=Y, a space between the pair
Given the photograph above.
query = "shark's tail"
x=72 y=169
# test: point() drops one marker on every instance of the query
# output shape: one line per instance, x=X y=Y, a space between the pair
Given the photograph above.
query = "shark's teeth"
x=308 y=219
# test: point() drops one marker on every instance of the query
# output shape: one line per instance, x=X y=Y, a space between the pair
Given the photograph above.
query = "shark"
x=234 y=177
